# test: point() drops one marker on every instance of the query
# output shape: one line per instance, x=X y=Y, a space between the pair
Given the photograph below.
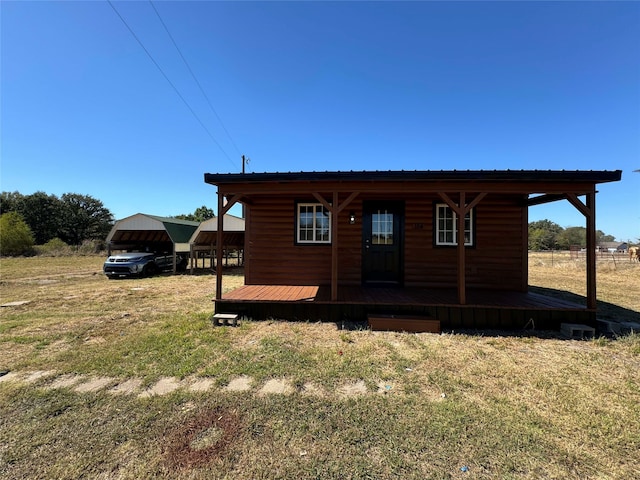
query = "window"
x=447 y=226
x=314 y=223
x=382 y=227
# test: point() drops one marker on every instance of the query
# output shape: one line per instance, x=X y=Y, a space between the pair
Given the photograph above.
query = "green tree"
x=15 y=235
x=603 y=237
x=200 y=215
x=573 y=236
x=203 y=213
x=83 y=218
x=42 y=213
x=10 y=202
x=543 y=235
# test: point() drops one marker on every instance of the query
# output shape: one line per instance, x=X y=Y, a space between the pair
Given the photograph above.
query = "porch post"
x=462 y=280
x=334 y=248
x=589 y=211
x=175 y=269
x=591 y=250
x=524 y=262
x=334 y=208
x=219 y=246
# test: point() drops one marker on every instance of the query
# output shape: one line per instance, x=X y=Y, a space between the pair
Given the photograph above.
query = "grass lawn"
x=127 y=379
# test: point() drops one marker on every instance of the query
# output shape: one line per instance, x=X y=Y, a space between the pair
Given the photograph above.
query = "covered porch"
x=491 y=309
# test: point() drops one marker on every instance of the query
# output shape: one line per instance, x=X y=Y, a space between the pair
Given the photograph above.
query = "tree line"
x=71 y=218
x=546 y=235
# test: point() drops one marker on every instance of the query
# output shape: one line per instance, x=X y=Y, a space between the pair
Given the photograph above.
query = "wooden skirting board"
x=403 y=323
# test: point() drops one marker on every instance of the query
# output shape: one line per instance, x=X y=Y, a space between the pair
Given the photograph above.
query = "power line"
x=194 y=77
x=171 y=83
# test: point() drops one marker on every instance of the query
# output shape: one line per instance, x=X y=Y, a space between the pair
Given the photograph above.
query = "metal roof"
x=178 y=231
x=233 y=228
x=543 y=176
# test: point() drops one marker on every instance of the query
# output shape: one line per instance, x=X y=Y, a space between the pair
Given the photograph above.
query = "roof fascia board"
x=590 y=176
x=578 y=188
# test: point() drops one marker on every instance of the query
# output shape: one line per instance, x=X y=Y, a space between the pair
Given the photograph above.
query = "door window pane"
x=382 y=228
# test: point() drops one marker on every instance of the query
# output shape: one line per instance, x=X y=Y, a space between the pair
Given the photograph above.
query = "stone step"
x=403 y=323
x=220 y=319
x=577 y=331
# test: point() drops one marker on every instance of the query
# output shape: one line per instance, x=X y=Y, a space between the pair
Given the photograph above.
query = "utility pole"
x=244 y=161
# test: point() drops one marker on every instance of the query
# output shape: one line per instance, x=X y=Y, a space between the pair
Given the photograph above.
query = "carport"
x=149 y=233
x=203 y=242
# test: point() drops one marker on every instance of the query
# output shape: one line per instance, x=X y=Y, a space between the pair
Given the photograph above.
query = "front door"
x=382 y=238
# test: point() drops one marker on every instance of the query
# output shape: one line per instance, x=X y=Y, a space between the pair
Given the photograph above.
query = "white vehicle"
x=140 y=264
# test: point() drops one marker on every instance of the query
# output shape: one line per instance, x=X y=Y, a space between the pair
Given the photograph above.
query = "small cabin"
x=443 y=245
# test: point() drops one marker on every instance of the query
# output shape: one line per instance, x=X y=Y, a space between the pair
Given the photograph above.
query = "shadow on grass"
x=231 y=271
x=606 y=311
x=543 y=334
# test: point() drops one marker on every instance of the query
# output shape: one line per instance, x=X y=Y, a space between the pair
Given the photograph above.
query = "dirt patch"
x=202 y=385
x=201 y=439
x=276 y=386
x=94 y=384
x=66 y=381
x=38 y=375
x=164 y=386
x=240 y=384
x=353 y=389
x=313 y=390
x=127 y=388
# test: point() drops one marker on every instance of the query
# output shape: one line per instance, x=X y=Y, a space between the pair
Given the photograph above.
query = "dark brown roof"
x=542 y=176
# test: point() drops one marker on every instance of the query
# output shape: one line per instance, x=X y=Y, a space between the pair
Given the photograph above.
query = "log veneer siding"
x=495 y=260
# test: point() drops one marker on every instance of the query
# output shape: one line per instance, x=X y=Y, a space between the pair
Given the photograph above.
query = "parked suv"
x=140 y=264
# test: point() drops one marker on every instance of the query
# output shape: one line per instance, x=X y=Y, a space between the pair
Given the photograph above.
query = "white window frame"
x=442 y=229
x=315 y=229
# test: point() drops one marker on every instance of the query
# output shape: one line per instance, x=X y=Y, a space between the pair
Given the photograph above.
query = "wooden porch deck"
x=484 y=308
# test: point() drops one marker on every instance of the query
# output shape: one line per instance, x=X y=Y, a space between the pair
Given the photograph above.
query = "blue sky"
x=316 y=86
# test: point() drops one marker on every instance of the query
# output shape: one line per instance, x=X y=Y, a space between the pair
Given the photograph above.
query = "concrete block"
x=220 y=319
x=577 y=331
